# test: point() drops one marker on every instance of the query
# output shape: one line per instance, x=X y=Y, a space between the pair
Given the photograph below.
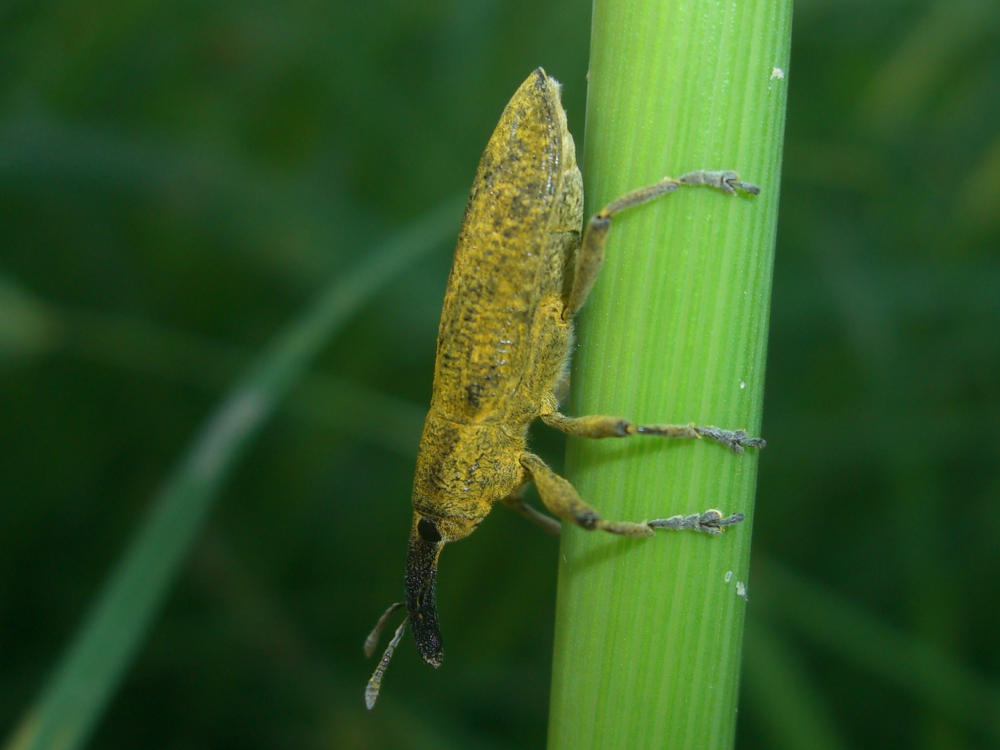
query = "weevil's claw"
x=730 y=182
x=746 y=187
x=735 y=440
x=713 y=522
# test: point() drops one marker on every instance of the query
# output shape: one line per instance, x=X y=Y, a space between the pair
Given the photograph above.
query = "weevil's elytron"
x=523 y=266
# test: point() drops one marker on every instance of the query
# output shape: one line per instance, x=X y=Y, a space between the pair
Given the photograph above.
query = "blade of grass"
x=784 y=700
x=137 y=345
x=75 y=696
x=855 y=636
x=648 y=633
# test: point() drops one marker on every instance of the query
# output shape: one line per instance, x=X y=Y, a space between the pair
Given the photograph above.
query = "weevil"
x=523 y=266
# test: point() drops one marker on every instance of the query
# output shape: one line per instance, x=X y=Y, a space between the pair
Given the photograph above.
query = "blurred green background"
x=178 y=181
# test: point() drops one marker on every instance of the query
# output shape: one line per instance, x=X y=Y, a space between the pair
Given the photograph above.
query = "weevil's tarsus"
x=375 y=683
x=710 y=522
x=591 y=254
x=735 y=440
x=371 y=642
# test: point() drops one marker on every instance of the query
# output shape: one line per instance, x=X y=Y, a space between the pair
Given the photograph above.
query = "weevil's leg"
x=598 y=426
x=591 y=253
x=515 y=501
x=562 y=499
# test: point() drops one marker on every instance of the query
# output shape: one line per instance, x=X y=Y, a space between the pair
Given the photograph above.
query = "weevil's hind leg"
x=599 y=426
x=562 y=499
x=591 y=253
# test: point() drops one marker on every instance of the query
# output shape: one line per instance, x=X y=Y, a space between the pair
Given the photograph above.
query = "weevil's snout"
x=421 y=572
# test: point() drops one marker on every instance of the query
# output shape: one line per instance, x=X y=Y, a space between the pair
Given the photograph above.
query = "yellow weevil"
x=524 y=265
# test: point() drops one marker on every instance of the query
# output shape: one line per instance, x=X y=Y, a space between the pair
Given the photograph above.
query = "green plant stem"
x=648 y=632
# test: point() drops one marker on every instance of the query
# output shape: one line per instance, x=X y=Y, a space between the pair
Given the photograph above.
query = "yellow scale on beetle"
x=524 y=265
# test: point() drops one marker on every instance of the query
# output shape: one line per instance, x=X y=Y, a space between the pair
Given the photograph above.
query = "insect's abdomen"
x=521 y=222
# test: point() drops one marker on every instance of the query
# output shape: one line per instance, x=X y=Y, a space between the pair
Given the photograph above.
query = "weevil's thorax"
x=462 y=469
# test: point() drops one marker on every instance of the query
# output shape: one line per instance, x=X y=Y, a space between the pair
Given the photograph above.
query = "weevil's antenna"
x=375 y=683
x=372 y=640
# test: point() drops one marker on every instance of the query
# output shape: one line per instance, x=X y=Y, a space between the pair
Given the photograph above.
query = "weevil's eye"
x=428 y=531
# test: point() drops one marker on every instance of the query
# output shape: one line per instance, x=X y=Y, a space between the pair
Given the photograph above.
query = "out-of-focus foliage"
x=178 y=181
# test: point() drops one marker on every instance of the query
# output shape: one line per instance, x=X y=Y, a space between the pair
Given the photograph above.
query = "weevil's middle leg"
x=562 y=499
x=591 y=253
x=599 y=426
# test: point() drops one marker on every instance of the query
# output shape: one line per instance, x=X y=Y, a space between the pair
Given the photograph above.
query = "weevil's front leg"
x=591 y=253
x=598 y=426
x=562 y=499
x=515 y=501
